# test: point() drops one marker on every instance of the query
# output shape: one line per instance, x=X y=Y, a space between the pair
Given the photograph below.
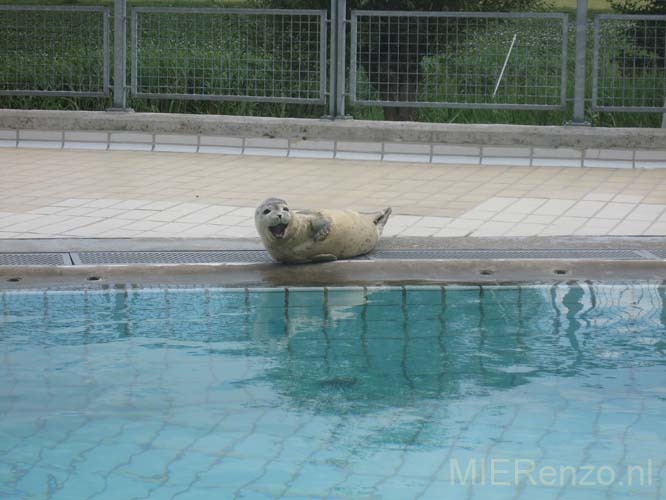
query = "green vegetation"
x=626 y=84
x=593 y=6
x=225 y=61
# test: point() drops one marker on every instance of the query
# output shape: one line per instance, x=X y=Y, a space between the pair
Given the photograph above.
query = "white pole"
x=506 y=61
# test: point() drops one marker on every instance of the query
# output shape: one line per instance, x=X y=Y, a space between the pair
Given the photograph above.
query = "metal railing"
x=54 y=51
x=459 y=59
x=187 y=53
x=396 y=59
x=629 y=62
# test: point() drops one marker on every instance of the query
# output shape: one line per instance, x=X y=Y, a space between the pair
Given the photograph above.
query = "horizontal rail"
x=633 y=17
x=56 y=8
x=490 y=15
x=632 y=109
x=213 y=10
x=460 y=105
x=212 y=97
x=53 y=93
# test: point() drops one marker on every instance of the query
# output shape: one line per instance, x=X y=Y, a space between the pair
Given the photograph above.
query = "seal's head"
x=272 y=218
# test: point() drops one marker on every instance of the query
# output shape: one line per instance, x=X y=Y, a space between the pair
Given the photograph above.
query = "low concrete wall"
x=344 y=130
x=516 y=145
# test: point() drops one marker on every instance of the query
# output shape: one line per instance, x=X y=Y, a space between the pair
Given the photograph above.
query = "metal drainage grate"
x=261 y=256
x=592 y=254
x=34 y=259
x=173 y=257
x=659 y=253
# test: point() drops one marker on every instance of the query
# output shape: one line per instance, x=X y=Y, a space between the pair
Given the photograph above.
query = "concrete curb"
x=344 y=130
x=343 y=273
x=407 y=142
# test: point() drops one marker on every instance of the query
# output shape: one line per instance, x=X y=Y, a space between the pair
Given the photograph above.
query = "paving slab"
x=63 y=194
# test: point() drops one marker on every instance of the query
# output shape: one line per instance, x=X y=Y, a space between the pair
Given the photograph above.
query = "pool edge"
x=342 y=273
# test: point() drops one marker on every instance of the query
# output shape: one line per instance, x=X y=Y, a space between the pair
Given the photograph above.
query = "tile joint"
x=585 y=154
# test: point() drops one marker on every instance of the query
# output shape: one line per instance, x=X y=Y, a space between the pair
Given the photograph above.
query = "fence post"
x=342 y=57
x=336 y=105
x=119 y=56
x=581 y=59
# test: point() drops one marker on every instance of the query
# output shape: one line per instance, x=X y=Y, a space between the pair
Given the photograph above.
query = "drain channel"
x=35 y=259
x=577 y=254
x=260 y=256
x=172 y=257
x=661 y=254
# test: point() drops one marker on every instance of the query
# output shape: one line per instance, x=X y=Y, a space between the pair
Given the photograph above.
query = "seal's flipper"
x=381 y=218
x=321 y=226
x=323 y=257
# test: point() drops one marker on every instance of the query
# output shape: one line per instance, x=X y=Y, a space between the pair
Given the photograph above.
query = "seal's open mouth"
x=278 y=230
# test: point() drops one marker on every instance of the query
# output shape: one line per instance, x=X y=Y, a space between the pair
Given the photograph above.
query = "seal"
x=301 y=236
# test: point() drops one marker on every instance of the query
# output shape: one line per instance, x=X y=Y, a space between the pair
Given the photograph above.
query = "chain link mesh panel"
x=234 y=54
x=629 y=63
x=448 y=59
x=54 y=51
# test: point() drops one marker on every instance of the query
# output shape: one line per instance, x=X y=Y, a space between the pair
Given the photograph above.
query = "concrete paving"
x=68 y=194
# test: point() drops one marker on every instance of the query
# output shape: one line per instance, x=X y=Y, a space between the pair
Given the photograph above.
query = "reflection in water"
x=368 y=381
x=395 y=347
x=370 y=348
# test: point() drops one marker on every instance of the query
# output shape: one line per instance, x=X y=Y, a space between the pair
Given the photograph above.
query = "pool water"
x=534 y=392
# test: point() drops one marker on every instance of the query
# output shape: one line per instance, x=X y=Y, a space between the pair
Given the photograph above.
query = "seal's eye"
x=267 y=211
x=285 y=209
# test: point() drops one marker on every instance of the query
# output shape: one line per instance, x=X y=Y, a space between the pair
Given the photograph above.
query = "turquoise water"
x=533 y=392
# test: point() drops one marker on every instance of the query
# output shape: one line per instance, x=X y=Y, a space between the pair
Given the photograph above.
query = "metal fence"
x=54 y=51
x=396 y=59
x=239 y=54
x=459 y=59
x=629 y=63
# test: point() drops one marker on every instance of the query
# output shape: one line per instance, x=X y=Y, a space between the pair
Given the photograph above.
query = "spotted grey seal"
x=300 y=236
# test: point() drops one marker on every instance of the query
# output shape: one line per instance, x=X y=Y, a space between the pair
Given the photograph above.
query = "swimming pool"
x=536 y=392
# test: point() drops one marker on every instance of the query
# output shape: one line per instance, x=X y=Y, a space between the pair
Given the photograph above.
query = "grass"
x=229 y=63
x=593 y=6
